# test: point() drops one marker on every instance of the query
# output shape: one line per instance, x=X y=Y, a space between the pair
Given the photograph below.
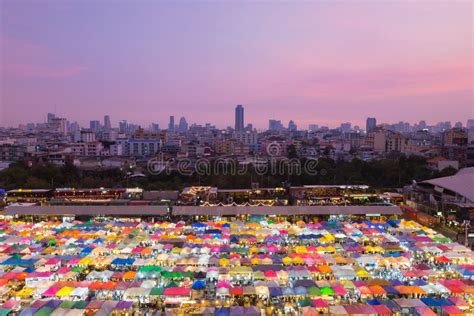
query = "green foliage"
x=392 y=172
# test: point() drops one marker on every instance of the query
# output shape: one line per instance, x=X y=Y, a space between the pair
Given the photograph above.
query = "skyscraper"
x=370 y=124
x=239 y=118
x=123 y=126
x=470 y=123
x=346 y=127
x=107 y=124
x=51 y=116
x=275 y=125
x=60 y=124
x=292 y=126
x=183 y=125
x=171 y=124
x=94 y=125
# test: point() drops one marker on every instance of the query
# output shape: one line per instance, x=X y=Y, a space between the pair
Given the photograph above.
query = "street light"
x=466 y=224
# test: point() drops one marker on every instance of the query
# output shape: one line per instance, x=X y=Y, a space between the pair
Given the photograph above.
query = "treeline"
x=392 y=172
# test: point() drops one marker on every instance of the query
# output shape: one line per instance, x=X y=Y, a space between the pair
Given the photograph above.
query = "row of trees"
x=392 y=172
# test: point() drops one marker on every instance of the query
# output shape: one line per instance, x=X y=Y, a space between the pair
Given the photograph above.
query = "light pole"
x=467 y=225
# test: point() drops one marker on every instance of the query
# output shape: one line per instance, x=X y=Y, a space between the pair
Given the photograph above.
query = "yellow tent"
x=363 y=274
x=85 y=261
x=287 y=260
x=255 y=261
x=301 y=249
x=224 y=262
x=253 y=250
x=65 y=291
x=25 y=292
x=298 y=260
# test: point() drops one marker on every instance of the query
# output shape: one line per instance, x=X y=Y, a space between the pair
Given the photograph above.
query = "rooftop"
x=461 y=183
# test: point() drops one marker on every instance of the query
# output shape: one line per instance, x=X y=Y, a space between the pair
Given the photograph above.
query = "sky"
x=315 y=62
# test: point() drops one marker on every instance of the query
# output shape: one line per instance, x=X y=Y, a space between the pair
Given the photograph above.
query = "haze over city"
x=320 y=62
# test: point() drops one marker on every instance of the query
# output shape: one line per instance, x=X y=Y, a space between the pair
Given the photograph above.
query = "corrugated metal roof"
x=462 y=183
x=129 y=210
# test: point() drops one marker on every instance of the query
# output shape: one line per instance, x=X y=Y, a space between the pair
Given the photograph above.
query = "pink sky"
x=313 y=62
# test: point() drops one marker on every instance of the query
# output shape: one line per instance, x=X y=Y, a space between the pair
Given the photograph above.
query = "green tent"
x=171 y=284
x=305 y=302
x=239 y=250
x=4 y=311
x=44 y=311
x=326 y=290
x=176 y=275
x=314 y=291
x=67 y=304
x=156 y=291
x=166 y=274
x=52 y=242
x=80 y=305
x=149 y=269
x=77 y=269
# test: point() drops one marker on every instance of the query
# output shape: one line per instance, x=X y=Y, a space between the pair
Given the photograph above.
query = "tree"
x=292 y=153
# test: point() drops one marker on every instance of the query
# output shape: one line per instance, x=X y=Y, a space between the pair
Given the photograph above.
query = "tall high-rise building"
x=123 y=126
x=183 y=125
x=107 y=124
x=171 y=124
x=94 y=125
x=422 y=124
x=313 y=127
x=155 y=127
x=346 y=127
x=275 y=125
x=470 y=123
x=239 y=118
x=292 y=126
x=60 y=124
x=51 y=116
x=370 y=124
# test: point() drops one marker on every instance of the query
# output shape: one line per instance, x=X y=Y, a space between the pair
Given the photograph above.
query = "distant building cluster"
x=104 y=144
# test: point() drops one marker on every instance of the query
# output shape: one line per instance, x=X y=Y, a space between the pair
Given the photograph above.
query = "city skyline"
x=109 y=123
x=288 y=61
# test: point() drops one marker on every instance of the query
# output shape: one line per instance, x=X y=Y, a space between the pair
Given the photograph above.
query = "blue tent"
x=120 y=261
x=30 y=311
x=199 y=225
x=199 y=285
x=275 y=291
x=237 y=311
x=287 y=291
x=212 y=231
x=419 y=282
x=223 y=311
x=251 y=311
x=300 y=290
x=19 y=262
x=395 y=282
x=436 y=302
x=390 y=290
